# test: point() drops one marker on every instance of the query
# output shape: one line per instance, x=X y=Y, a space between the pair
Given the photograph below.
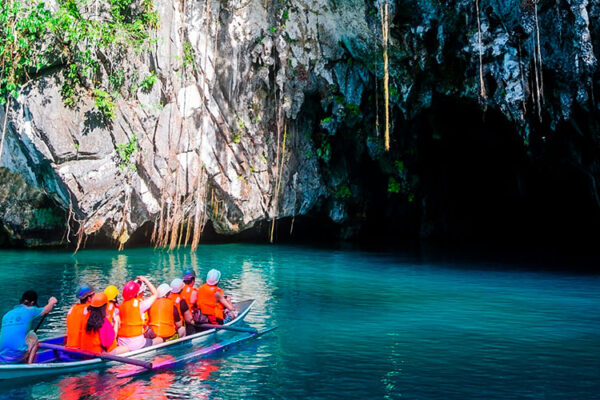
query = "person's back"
x=207 y=302
x=162 y=320
x=97 y=332
x=132 y=324
x=131 y=311
x=212 y=301
x=183 y=309
x=15 y=327
x=76 y=315
x=189 y=292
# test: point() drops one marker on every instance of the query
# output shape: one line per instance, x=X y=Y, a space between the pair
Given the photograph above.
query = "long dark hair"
x=96 y=320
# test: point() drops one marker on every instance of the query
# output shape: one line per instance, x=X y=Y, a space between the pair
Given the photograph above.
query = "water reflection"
x=106 y=386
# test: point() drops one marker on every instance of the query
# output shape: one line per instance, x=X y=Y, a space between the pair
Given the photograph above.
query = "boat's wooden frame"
x=37 y=370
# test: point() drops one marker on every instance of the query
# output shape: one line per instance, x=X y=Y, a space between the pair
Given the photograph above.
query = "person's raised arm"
x=48 y=307
x=151 y=288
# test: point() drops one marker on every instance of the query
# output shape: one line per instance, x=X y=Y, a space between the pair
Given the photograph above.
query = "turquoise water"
x=352 y=325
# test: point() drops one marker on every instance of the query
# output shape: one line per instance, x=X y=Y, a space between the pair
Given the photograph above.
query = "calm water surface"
x=352 y=325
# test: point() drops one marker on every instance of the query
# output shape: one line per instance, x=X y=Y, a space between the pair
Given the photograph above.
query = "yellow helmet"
x=111 y=292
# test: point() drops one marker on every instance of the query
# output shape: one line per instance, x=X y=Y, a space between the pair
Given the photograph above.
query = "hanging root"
x=482 y=92
x=538 y=66
x=385 y=29
x=278 y=185
x=200 y=215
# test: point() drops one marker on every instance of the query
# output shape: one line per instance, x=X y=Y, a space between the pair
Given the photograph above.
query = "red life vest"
x=74 y=320
x=186 y=294
x=207 y=301
x=161 y=319
x=132 y=324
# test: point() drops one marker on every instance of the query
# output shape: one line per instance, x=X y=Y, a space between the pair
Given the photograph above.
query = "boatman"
x=212 y=301
x=16 y=344
x=76 y=315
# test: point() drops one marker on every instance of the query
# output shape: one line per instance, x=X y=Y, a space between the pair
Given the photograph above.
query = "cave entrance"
x=481 y=183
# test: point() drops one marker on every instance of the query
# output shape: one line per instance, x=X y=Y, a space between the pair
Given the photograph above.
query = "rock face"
x=267 y=109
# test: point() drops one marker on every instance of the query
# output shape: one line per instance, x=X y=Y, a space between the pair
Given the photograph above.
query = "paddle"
x=228 y=328
x=40 y=323
x=103 y=356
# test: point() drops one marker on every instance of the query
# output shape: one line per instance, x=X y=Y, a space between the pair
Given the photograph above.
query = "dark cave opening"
x=482 y=184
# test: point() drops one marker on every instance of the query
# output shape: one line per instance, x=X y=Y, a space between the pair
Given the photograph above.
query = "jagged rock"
x=220 y=120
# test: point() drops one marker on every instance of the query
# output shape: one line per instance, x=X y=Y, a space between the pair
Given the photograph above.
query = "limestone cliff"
x=268 y=109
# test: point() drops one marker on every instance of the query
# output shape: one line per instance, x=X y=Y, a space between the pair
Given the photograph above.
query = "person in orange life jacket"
x=189 y=292
x=131 y=312
x=164 y=320
x=76 y=314
x=98 y=334
x=17 y=342
x=185 y=313
x=112 y=307
x=212 y=301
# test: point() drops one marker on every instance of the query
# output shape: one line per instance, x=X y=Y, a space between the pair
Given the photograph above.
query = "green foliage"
x=273 y=29
x=394 y=186
x=326 y=120
x=188 y=55
x=120 y=9
x=32 y=33
x=22 y=25
x=126 y=152
x=237 y=137
x=117 y=80
x=147 y=83
x=105 y=103
x=400 y=165
x=324 y=151
x=353 y=109
x=343 y=192
x=241 y=123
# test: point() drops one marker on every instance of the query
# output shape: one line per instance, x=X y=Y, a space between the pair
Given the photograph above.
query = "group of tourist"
x=99 y=323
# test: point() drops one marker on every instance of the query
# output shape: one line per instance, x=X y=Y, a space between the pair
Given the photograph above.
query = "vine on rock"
x=84 y=42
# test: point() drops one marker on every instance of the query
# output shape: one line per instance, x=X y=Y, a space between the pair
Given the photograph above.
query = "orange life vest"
x=161 y=319
x=176 y=297
x=186 y=294
x=207 y=301
x=91 y=341
x=74 y=322
x=110 y=311
x=132 y=324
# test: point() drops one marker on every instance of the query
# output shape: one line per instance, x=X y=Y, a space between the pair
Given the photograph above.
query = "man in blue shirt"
x=16 y=323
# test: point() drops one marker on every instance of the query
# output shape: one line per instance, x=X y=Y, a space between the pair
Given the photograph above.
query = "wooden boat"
x=54 y=362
